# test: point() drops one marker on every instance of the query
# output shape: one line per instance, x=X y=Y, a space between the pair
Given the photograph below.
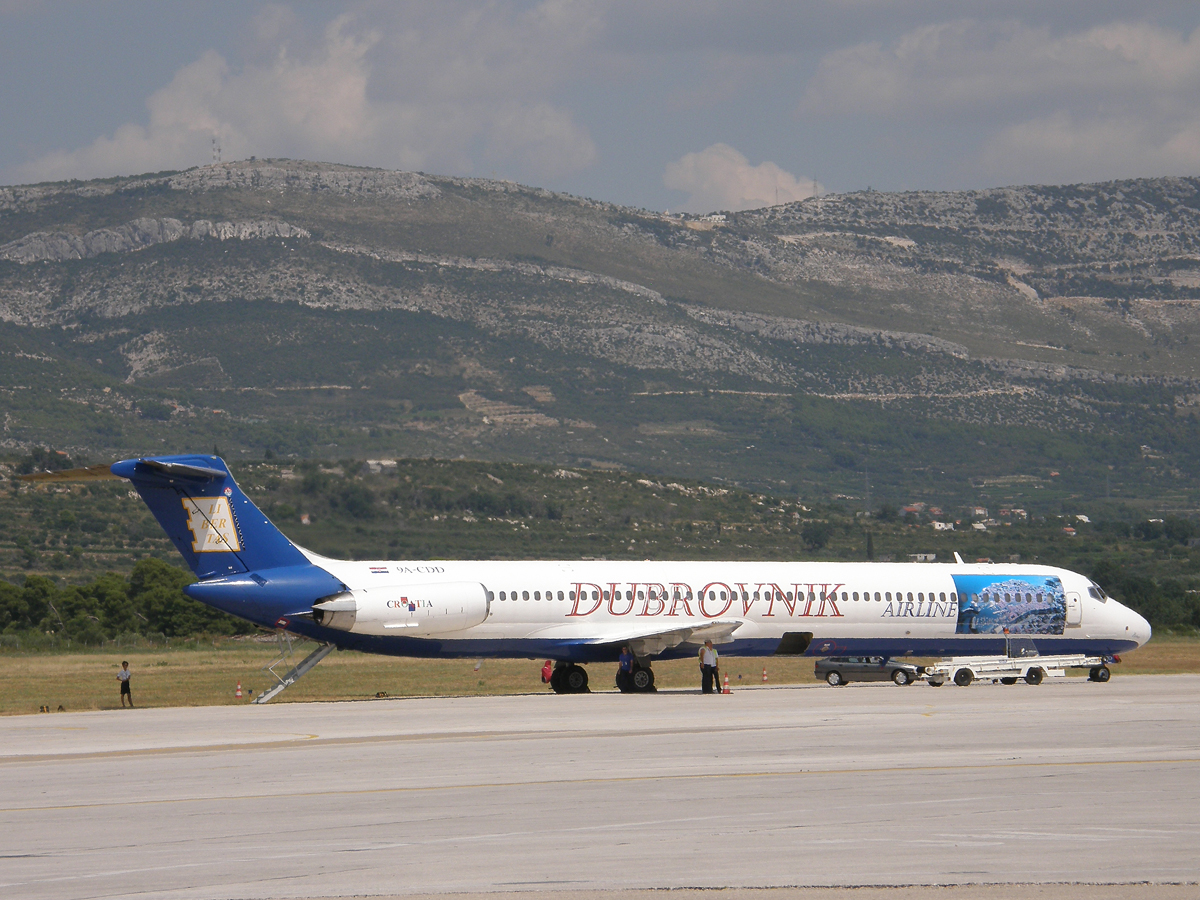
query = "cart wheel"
x=1008 y=680
x=1103 y=674
x=1034 y=676
x=963 y=677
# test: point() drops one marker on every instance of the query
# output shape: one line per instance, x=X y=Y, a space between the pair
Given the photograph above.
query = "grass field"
x=208 y=676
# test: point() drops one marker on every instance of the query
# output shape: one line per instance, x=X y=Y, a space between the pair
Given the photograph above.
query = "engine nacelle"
x=415 y=610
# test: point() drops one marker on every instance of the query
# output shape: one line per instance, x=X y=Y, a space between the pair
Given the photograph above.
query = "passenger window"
x=537 y=595
x=491 y=596
x=889 y=596
x=877 y=600
x=560 y=595
x=920 y=597
x=910 y=599
x=572 y=596
x=942 y=596
x=502 y=595
x=524 y=595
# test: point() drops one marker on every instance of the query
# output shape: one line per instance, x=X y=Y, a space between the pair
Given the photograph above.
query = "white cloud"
x=719 y=177
x=407 y=93
x=1114 y=100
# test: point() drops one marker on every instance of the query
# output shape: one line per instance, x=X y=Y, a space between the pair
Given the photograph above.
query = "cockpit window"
x=1097 y=593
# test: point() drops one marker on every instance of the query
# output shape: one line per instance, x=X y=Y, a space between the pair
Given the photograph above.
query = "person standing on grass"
x=123 y=677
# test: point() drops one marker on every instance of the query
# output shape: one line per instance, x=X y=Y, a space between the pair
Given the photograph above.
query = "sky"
x=700 y=106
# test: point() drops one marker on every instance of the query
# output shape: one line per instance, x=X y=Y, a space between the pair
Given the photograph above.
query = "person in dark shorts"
x=123 y=677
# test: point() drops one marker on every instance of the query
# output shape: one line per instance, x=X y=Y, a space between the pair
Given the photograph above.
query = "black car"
x=844 y=669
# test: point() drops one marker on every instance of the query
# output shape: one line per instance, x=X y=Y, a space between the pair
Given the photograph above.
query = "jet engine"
x=417 y=610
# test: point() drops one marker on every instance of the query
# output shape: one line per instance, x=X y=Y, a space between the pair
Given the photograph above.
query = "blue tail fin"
x=209 y=520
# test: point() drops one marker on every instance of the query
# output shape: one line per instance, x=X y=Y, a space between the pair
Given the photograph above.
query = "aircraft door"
x=1074 y=609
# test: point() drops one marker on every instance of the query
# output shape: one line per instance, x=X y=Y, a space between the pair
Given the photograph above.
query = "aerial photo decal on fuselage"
x=1018 y=604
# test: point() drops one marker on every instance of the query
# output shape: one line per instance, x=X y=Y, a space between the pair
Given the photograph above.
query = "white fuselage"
x=585 y=609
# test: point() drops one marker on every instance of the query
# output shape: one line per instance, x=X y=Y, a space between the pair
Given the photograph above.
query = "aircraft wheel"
x=1008 y=680
x=900 y=677
x=963 y=677
x=1034 y=676
x=643 y=680
x=557 y=680
x=1103 y=673
x=576 y=680
x=834 y=678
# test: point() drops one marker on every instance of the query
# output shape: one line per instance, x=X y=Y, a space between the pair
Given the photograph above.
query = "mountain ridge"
x=303 y=307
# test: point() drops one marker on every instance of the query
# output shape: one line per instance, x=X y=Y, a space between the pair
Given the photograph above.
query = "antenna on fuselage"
x=958 y=559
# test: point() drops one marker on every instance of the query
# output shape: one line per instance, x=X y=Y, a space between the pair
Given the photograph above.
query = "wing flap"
x=650 y=641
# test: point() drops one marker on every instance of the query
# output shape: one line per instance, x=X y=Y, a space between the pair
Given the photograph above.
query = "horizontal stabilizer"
x=100 y=472
x=179 y=470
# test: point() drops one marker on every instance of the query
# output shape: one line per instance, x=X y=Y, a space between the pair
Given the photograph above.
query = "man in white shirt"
x=708 y=667
x=123 y=677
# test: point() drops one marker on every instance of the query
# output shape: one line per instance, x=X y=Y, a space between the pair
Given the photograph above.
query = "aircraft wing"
x=648 y=641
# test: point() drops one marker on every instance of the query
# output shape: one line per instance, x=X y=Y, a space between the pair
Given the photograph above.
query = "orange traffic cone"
x=725 y=690
x=238 y=692
x=764 y=674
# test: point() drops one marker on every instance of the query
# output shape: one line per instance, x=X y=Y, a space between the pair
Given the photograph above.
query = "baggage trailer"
x=1022 y=662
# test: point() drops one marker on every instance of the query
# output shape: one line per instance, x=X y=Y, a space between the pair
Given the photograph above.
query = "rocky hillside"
x=932 y=340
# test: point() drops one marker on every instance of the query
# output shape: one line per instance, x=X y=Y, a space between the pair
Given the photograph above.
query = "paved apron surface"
x=863 y=785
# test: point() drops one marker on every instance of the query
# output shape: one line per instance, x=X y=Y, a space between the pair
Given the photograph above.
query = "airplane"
x=579 y=612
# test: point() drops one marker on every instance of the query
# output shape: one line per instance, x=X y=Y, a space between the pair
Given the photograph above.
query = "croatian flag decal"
x=378 y=570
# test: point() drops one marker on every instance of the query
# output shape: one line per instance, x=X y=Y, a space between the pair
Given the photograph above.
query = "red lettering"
x=581 y=597
x=748 y=600
x=704 y=595
x=615 y=596
x=654 y=594
x=680 y=598
x=777 y=593
x=830 y=597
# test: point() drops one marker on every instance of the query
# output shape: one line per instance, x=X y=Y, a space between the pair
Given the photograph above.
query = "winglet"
x=958 y=559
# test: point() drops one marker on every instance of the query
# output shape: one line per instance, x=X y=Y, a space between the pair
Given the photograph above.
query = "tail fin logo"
x=212 y=525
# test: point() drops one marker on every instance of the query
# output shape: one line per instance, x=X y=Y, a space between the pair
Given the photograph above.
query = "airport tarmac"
x=1065 y=790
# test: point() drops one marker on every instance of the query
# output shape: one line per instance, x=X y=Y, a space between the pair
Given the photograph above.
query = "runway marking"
x=620 y=779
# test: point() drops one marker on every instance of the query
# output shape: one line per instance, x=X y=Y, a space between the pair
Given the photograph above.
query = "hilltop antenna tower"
x=216 y=150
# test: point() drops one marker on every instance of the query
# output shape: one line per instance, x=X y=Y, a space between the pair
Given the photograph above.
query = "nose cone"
x=1137 y=627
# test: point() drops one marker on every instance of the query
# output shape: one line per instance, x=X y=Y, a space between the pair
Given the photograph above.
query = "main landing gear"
x=639 y=681
x=569 y=678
